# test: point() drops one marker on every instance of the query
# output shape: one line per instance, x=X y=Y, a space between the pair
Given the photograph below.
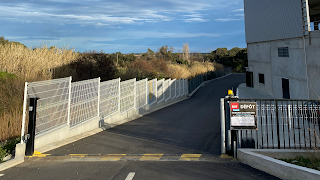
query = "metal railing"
x=195 y=82
x=281 y=124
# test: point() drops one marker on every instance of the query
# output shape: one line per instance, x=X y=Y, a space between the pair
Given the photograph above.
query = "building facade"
x=283 y=41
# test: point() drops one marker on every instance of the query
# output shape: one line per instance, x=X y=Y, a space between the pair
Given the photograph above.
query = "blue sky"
x=127 y=26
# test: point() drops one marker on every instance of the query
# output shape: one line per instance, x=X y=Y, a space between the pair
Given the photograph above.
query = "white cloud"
x=239 y=14
x=238 y=10
x=195 y=20
x=228 y=19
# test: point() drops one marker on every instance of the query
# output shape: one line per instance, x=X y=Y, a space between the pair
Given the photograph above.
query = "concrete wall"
x=313 y=63
x=64 y=132
x=263 y=57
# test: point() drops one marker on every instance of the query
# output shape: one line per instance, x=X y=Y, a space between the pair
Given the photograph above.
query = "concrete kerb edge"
x=10 y=163
x=275 y=167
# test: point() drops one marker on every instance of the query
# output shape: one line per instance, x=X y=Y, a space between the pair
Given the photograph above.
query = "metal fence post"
x=119 y=91
x=24 y=111
x=169 y=87
x=156 y=84
x=69 y=100
x=223 y=126
x=146 y=90
x=135 y=93
x=32 y=126
x=98 y=109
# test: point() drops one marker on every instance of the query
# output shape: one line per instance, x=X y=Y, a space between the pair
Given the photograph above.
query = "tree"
x=185 y=51
x=221 y=52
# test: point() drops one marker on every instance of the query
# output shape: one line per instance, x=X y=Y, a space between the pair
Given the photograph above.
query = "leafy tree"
x=221 y=52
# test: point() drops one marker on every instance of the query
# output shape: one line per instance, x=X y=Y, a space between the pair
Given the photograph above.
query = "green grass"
x=313 y=163
x=6 y=75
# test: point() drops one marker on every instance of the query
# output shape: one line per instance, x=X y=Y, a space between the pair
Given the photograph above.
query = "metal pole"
x=135 y=92
x=31 y=126
x=69 y=101
x=223 y=126
x=146 y=90
x=119 y=96
x=98 y=109
x=24 y=111
x=156 y=95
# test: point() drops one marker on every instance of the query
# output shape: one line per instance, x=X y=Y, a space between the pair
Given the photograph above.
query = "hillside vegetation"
x=19 y=64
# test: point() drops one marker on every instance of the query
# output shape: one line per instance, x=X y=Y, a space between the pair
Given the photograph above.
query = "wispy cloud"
x=228 y=19
x=238 y=10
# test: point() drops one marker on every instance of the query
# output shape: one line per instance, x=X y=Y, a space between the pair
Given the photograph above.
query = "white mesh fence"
x=185 y=86
x=167 y=92
x=84 y=101
x=141 y=93
x=109 y=97
x=52 y=105
x=90 y=98
x=152 y=91
x=173 y=88
x=178 y=88
x=127 y=95
x=160 y=91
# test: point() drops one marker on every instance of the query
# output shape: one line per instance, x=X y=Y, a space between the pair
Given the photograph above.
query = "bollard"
x=31 y=126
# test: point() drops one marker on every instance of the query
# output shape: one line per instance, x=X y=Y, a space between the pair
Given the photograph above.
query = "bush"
x=3 y=153
x=93 y=65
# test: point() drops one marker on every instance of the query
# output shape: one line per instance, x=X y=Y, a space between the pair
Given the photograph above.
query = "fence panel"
x=173 y=88
x=186 y=86
x=181 y=87
x=178 y=88
x=84 y=100
x=283 y=124
x=141 y=93
x=109 y=97
x=160 y=90
x=127 y=95
x=167 y=90
x=52 y=105
x=152 y=91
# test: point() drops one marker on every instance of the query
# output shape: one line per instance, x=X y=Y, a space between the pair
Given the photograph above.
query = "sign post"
x=242 y=116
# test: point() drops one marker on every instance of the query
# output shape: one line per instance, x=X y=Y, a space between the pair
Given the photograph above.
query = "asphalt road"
x=189 y=127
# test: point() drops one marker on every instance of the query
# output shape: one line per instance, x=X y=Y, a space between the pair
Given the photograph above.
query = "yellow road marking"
x=38 y=154
x=113 y=157
x=225 y=156
x=190 y=157
x=151 y=157
x=78 y=155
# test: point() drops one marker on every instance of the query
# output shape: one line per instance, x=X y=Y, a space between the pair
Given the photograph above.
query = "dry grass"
x=36 y=64
x=26 y=65
x=185 y=72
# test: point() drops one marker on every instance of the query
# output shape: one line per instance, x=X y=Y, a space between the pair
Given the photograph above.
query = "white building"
x=283 y=40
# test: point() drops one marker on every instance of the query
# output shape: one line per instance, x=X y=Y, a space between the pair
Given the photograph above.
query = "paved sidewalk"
x=244 y=92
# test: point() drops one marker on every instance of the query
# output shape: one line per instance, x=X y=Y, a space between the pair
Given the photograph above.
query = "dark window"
x=249 y=79
x=283 y=52
x=261 y=78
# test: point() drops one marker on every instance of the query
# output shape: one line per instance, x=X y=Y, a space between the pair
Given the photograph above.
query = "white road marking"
x=1 y=175
x=130 y=176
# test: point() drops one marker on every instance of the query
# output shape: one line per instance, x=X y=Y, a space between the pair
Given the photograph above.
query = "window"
x=283 y=52
x=261 y=78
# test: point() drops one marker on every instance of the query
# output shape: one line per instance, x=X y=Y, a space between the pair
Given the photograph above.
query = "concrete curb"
x=10 y=163
x=204 y=82
x=275 y=167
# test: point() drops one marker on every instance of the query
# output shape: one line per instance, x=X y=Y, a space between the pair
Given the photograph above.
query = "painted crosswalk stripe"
x=130 y=176
x=151 y=157
x=190 y=157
